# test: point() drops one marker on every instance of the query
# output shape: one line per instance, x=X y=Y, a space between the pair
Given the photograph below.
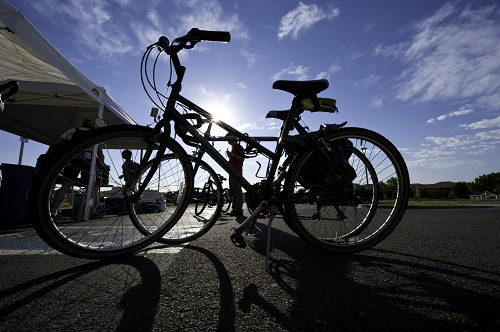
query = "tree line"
x=487 y=182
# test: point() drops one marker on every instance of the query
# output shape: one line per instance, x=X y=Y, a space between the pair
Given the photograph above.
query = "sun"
x=220 y=111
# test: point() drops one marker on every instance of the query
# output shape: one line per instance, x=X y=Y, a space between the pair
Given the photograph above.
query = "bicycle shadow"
x=226 y=314
x=107 y=295
x=377 y=289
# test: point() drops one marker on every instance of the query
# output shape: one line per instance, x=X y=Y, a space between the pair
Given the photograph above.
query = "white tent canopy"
x=54 y=96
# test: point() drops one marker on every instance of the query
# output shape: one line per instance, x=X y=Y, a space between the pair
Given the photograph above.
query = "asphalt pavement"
x=438 y=271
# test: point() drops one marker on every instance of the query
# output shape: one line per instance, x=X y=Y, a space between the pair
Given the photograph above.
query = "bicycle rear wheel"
x=194 y=222
x=97 y=223
x=347 y=203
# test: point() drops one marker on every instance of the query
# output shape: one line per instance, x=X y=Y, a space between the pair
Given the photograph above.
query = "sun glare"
x=220 y=112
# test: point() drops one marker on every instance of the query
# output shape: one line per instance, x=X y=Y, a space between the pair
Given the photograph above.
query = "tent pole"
x=21 y=152
x=89 y=197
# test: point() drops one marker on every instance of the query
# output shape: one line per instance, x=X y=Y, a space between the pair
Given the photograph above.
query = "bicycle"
x=227 y=200
x=314 y=188
x=208 y=195
x=8 y=89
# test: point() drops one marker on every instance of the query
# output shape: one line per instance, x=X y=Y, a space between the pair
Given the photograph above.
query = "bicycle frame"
x=206 y=147
x=253 y=142
x=171 y=114
x=203 y=141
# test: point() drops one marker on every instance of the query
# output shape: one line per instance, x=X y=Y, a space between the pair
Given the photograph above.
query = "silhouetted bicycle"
x=312 y=178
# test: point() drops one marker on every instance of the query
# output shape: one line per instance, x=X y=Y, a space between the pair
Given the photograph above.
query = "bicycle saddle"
x=304 y=88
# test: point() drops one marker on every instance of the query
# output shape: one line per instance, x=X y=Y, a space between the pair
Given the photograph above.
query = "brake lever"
x=191 y=44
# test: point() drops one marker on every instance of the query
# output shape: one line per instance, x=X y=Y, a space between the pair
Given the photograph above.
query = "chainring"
x=253 y=201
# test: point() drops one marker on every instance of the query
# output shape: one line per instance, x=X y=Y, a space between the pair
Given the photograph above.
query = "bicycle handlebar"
x=190 y=39
x=196 y=35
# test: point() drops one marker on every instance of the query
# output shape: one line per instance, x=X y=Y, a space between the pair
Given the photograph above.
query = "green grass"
x=450 y=203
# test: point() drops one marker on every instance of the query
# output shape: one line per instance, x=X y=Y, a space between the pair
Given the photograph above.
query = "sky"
x=424 y=74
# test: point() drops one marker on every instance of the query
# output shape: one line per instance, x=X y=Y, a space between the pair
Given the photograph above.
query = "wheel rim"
x=112 y=231
x=348 y=221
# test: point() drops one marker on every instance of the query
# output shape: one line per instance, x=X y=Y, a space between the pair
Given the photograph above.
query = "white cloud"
x=461 y=111
x=490 y=135
x=440 y=163
x=377 y=102
x=92 y=22
x=244 y=127
x=209 y=15
x=451 y=142
x=357 y=55
x=486 y=123
x=249 y=57
x=322 y=75
x=479 y=143
x=371 y=26
x=369 y=81
x=299 y=72
x=453 y=54
x=154 y=18
x=302 y=18
x=326 y=74
x=440 y=152
x=432 y=153
x=449 y=153
x=109 y=30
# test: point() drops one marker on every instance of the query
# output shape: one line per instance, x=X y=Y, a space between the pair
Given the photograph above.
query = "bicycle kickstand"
x=274 y=212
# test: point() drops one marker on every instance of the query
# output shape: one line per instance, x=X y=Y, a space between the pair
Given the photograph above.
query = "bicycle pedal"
x=255 y=231
x=238 y=240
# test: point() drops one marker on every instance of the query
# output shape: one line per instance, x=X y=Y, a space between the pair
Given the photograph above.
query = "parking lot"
x=438 y=271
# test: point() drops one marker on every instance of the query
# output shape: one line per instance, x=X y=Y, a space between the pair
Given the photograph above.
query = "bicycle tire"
x=227 y=199
x=208 y=196
x=200 y=206
x=191 y=226
x=111 y=232
x=330 y=216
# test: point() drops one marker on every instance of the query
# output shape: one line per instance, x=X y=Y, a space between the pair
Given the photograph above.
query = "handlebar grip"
x=206 y=35
x=13 y=87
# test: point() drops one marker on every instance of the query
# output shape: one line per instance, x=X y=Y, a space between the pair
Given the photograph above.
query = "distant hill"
x=444 y=184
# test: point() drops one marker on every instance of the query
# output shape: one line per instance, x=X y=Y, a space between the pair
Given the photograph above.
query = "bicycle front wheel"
x=81 y=205
x=349 y=196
